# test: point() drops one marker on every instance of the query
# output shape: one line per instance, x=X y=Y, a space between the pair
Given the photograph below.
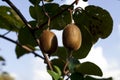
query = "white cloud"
x=39 y=70
x=59 y=36
x=41 y=75
x=109 y=69
x=96 y=56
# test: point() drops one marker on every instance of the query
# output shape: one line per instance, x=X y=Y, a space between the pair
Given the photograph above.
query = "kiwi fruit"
x=48 y=42
x=72 y=37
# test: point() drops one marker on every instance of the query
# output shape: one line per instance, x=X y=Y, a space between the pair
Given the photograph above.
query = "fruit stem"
x=47 y=61
x=67 y=62
x=71 y=11
x=46 y=13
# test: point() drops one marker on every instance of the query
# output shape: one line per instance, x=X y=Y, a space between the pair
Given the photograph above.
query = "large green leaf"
x=9 y=20
x=20 y=51
x=82 y=19
x=38 y=14
x=25 y=37
x=100 y=20
x=89 y=69
x=52 y=9
x=62 y=19
x=58 y=21
x=76 y=76
x=23 y=49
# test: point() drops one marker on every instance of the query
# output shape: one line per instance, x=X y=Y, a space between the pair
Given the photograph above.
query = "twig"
x=22 y=46
x=6 y=33
x=48 y=62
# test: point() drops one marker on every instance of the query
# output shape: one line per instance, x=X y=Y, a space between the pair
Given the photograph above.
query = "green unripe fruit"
x=72 y=37
x=48 y=42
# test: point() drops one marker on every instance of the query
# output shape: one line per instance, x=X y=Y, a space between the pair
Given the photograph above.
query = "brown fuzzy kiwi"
x=48 y=42
x=72 y=37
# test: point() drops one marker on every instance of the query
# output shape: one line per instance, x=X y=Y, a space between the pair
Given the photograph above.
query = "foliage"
x=93 y=21
x=1 y=58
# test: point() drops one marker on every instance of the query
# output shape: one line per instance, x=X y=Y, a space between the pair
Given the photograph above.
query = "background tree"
x=4 y=75
x=92 y=23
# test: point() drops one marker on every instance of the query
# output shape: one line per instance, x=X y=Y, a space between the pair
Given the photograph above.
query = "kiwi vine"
x=82 y=28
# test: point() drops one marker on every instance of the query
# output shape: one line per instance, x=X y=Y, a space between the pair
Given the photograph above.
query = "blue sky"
x=105 y=53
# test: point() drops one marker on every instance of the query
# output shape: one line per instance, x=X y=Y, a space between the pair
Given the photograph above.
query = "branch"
x=22 y=46
x=6 y=33
x=45 y=56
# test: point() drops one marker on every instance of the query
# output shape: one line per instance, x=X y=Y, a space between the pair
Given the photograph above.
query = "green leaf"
x=52 y=9
x=25 y=37
x=20 y=51
x=59 y=63
x=38 y=14
x=97 y=21
x=35 y=2
x=61 y=53
x=9 y=20
x=1 y=58
x=89 y=69
x=80 y=17
x=57 y=70
x=61 y=20
x=86 y=44
x=55 y=75
x=72 y=64
x=57 y=22
x=101 y=23
x=76 y=76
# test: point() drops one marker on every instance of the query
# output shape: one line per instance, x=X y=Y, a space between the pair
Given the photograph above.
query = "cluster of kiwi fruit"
x=71 y=37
